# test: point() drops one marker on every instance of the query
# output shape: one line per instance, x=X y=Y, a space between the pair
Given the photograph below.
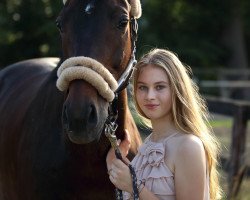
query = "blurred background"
x=212 y=37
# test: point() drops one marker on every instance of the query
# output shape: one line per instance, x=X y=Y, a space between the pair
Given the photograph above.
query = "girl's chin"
x=151 y=116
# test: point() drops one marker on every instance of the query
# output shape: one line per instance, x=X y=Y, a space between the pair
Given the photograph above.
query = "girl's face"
x=153 y=93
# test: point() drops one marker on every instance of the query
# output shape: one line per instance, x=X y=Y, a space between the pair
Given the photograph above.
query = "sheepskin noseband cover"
x=89 y=70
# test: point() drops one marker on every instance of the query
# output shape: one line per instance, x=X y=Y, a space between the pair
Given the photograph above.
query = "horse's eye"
x=123 y=23
x=59 y=24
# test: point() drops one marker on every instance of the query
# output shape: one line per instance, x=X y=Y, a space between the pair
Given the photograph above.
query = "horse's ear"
x=136 y=8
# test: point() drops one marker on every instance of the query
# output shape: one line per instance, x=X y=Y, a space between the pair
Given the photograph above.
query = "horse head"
x=98 y=44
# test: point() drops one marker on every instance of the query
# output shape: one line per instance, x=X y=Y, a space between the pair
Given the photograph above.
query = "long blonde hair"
x=189 y=110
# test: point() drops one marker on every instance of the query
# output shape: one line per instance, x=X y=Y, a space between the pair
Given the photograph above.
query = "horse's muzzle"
x=82 y=125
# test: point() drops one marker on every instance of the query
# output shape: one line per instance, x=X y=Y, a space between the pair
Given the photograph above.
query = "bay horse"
x=52 y=145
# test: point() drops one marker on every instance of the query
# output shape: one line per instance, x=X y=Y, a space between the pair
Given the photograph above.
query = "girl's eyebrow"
x=158 y=82
x=140 y=82
x=161 y=82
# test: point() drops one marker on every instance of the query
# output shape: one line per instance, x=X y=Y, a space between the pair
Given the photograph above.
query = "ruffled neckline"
x=150 y=167
x=152 y=154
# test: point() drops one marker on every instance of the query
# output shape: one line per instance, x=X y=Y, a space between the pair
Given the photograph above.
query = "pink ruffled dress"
x=150 y=168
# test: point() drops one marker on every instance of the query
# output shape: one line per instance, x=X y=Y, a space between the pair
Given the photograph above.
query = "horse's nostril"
x=92 y=115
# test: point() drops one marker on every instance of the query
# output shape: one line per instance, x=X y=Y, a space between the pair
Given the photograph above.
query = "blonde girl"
x=178 y=160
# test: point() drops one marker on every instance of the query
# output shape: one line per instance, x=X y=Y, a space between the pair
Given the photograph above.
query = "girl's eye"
x=142 y=88
x=160 y=87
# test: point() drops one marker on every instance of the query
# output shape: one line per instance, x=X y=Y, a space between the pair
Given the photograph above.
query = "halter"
x=124 y=79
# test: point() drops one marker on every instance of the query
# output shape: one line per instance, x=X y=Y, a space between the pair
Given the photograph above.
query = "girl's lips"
x=150 y=106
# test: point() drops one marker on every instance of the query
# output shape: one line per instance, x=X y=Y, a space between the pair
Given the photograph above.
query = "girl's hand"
x=119 y=175
x=124 y=147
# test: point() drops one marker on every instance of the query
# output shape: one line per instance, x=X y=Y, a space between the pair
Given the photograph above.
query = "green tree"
x=193 y=29
x=190 y=28
x=28 y=29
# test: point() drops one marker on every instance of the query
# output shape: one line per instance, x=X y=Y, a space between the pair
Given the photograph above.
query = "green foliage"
x=190 y=28
x=193 y=29
x=27 y=30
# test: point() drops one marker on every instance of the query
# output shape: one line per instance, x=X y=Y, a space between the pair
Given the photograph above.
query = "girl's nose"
x=151 y=94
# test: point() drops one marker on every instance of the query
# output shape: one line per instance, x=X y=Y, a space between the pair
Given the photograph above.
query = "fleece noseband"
x=89 y=70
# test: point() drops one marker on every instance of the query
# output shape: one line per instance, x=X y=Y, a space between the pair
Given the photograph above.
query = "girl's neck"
x=162 y=129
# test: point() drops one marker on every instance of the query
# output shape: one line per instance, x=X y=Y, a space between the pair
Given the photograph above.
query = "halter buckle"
x=110 y=133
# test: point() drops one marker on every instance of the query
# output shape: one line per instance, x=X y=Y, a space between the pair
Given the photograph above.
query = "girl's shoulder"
x=185 y=145
x=183 y=140
x=189 y=147
x=189 y=142
x=187 y=139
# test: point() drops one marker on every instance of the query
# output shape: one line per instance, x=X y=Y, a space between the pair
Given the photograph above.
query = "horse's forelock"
x=135 y=8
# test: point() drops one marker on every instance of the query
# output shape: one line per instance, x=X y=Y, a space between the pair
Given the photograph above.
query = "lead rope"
x=110 y=128
x=110 y=133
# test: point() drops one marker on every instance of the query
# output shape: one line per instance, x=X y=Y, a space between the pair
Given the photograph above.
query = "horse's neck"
x=126 y=121
x=124 y=116
x=122 y=110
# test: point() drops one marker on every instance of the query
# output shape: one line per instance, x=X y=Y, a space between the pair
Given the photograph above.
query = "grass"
x=226 y=123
